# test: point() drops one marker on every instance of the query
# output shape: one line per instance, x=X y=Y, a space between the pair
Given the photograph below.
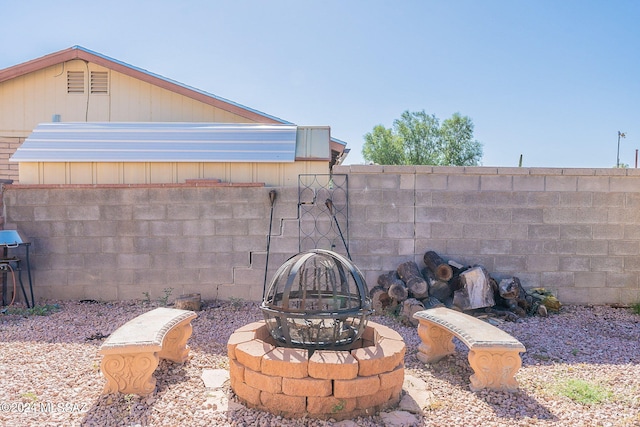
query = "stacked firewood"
x=408 y=290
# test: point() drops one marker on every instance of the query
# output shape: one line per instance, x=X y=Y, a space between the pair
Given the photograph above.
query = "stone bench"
x=494 y=355
x=133 y=351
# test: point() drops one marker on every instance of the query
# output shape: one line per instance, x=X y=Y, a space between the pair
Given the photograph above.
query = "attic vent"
x=75 y=81
x=99 y=82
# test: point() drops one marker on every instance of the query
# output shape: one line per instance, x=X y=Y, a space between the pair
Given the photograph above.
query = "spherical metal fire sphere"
x=317 y=299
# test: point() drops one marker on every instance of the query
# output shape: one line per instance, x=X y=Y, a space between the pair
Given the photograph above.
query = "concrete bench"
x=133 y=351
x=494 y=355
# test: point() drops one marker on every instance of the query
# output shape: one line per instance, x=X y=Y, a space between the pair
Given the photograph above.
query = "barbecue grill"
x=317 y=299
x=11 y=239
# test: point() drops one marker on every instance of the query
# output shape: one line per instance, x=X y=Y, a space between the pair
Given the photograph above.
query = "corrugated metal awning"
x=158 y=142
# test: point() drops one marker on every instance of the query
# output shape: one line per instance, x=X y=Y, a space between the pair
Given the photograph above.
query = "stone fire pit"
x=316 y=354
x=357 y=381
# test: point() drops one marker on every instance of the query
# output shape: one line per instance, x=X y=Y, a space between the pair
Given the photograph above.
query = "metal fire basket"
x=317 y=299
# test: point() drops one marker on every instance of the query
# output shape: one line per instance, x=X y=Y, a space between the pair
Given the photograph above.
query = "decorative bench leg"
x=494 y=369
x=129 y=373
x=175 y=347
x=436 y=343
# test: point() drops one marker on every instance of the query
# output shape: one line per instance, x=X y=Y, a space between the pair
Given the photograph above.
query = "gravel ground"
x=50 y=376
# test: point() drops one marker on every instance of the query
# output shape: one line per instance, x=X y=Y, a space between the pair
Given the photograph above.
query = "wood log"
x=510 y=294
x=418 y=287
x=441 y=269
x=398 y=291
x=437 y=288
x=387 y=279
x=410 y=275
x=477 y=291
x=440 y=290
x=381 y=302
x=431 y=302
x=419 y=295
x=410 y=306
x=455 y=283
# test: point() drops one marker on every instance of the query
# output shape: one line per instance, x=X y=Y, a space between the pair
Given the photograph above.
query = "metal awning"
x=158 y=142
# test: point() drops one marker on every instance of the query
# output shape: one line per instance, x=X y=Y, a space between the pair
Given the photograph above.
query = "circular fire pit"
x=317 y=300
x=316 y=355
x=360 y=380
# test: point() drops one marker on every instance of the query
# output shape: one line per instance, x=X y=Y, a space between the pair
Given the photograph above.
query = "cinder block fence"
x=573 y=231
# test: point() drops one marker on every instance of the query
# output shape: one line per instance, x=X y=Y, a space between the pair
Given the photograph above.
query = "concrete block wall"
x=122 y=242
x=573 y=231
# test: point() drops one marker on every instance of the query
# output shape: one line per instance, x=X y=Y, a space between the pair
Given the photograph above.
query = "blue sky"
x=551 y=80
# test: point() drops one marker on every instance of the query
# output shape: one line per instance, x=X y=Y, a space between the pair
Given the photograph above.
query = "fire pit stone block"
x=361 y=386
x=236 y=370
x=270 y=378
x=389 y=380
x=286 y=362
x=250 y=353
x=379 y=358
x=307 y=387
x=331 y=364
x=249 y=332
x=288 y=406
x=263 y=382
x=331 y=405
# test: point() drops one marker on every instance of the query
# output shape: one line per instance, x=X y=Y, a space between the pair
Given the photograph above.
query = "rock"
x=399 y=419
x=417 y=396
x=218 y=401
x=215 y=378
x=408 y=403
x=345 y=423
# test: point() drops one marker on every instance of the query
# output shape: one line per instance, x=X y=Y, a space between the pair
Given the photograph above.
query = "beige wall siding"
x=272 y=174
x=36 y=97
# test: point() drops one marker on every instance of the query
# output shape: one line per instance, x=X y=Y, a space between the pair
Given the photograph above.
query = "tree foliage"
x=417 y=138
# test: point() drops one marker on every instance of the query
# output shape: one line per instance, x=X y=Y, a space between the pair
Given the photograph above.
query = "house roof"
x=159 y=142
x=338 y=147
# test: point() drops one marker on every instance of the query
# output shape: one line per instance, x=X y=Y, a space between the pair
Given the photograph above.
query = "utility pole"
x=620 y=134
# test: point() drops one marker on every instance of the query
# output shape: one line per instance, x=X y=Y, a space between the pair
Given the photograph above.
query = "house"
x=79 y=117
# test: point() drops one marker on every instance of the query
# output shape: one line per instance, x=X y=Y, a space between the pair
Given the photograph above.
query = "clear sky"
x=553 y=80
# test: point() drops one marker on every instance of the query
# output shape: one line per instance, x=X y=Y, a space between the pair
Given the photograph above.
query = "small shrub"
x=236 y=303
x=636 y=308
x=339 y=406
x=29 y=396
x=147 y=297
x=38 y=310
x=584 y=392
x=164 y=300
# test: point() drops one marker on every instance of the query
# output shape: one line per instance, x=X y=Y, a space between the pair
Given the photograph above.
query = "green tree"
x=457 y=146
x=418 y=139
x=419 y=135
x=383 y=147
